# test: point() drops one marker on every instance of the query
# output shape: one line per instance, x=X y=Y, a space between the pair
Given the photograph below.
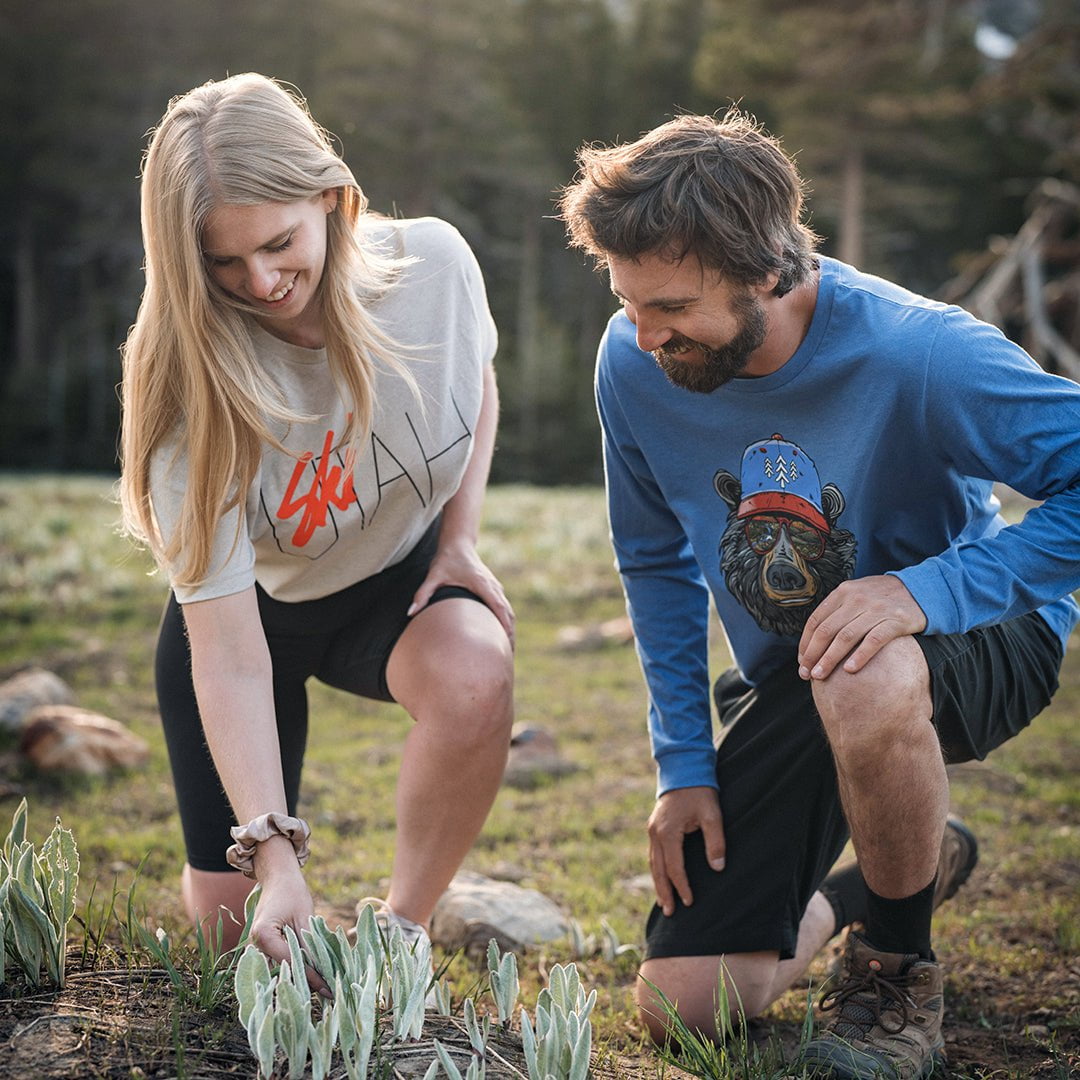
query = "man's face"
x=702 y=329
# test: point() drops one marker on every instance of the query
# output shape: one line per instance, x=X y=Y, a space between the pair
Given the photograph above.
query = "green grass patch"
x=75 y=598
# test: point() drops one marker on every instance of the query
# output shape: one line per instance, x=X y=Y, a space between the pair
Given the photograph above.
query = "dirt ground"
x=119 y=1023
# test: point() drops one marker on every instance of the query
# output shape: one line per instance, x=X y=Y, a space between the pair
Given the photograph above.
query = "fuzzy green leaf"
x=29 y=932
x=61 y=858
x=24 y=872
x=16 y=837
x=528 y=1046
x=296 y=963
x=321 y=1040
x=447 y=1062
x=292 y=1023
x=265 y=1044
x=252 y=972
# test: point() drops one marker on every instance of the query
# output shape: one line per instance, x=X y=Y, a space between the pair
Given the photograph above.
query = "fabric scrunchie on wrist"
x=242 y=854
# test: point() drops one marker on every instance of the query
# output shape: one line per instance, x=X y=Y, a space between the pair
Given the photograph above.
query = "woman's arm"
x=233 y=678
x=456 y=561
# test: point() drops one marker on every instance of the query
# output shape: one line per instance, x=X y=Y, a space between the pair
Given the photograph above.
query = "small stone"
x=475 y=909
x=534 y=754
x=27 y=690
x=504 y=870
x=65 y=738
x=639 y=883
x=617 y=631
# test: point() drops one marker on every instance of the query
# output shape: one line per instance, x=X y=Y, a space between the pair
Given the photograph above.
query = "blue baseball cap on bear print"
x=777 y=476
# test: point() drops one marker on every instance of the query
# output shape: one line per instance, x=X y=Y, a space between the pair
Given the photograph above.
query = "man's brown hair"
x=723 y=190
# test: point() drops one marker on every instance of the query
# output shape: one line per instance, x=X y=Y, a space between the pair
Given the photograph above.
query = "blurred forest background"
x=923 y=127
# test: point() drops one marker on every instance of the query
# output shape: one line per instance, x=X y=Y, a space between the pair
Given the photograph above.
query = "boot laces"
x=868 y=1000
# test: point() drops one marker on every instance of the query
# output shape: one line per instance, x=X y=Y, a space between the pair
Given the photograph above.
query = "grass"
x=75 y=598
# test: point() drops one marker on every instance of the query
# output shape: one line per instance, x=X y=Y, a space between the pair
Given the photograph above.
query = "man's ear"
x=767 y=285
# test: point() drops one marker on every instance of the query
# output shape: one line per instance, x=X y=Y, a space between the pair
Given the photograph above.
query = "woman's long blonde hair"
x=189 y=364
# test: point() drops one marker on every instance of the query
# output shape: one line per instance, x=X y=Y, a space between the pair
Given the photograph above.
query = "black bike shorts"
x=344 y=640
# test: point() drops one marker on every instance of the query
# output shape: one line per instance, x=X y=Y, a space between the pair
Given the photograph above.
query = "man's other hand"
x=677 y=813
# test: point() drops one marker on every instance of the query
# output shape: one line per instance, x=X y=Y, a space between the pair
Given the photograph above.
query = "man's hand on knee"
x=677 y=813
x=855 y=621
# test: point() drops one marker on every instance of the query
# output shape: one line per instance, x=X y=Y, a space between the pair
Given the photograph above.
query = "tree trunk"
x=26 y=325
x=852 y=192
x=529 y=355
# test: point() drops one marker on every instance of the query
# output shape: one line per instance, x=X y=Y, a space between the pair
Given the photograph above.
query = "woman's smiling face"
x=270 y=256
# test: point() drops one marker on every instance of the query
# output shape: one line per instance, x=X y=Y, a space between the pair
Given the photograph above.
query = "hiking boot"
x=888 y=1018
x=959 y=854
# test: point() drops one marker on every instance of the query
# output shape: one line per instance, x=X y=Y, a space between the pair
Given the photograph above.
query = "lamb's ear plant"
x=581 y=944
x=255 y=995
x=276 y=1008
x=410 y=973
x=358 y=1020
x=503 y=975
x=476 y=1070
x=440 y=992
x=560 y=1047
x=612 y=947
x=292 y=1017
x=37 y=900
x=477 y=1030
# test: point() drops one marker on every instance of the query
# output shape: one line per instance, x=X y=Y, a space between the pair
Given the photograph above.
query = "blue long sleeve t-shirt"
x=873 y=450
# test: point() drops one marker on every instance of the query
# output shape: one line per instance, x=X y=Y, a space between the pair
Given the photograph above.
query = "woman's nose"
x=262 y=279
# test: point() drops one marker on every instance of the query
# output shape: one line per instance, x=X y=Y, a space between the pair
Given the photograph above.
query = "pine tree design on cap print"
x=781 y=552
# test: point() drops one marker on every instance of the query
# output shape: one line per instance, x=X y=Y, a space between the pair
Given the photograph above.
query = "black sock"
x=900 y=926
x=847 y=894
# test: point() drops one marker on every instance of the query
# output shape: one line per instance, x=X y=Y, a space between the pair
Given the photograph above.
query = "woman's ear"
x=329 y=200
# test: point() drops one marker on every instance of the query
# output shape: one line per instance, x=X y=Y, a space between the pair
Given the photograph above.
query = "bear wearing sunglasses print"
x=781 y=552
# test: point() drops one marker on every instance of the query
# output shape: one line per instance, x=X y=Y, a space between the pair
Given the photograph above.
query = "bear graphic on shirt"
x=782 y=552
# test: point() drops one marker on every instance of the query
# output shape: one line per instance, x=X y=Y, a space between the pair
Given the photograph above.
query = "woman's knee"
x=461 y=669
x=212 y=895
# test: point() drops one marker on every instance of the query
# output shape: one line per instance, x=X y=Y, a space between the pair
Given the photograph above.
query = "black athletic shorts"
x=344 y=640
x=783 y=823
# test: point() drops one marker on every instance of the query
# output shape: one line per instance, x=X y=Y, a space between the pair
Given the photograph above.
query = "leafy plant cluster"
x=37 y=901
x=381 y=974
x=562 y=1042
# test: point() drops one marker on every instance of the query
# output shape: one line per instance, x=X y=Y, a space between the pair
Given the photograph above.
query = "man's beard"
x=720 y=365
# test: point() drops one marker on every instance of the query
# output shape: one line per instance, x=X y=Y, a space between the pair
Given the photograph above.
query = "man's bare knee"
x=868 y=707
x=691 y=985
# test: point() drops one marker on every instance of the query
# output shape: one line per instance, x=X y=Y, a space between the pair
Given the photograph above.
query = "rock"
x=27 y=690
x=505 y=870
x=639 y=883
x=617 y=631
x=65 y=738
x=475 y=909
x=534 y=753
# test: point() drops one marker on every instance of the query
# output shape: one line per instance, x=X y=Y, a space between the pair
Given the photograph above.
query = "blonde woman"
x=309 y=418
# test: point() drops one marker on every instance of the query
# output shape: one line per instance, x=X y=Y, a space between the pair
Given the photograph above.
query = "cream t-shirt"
x=309 y=530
